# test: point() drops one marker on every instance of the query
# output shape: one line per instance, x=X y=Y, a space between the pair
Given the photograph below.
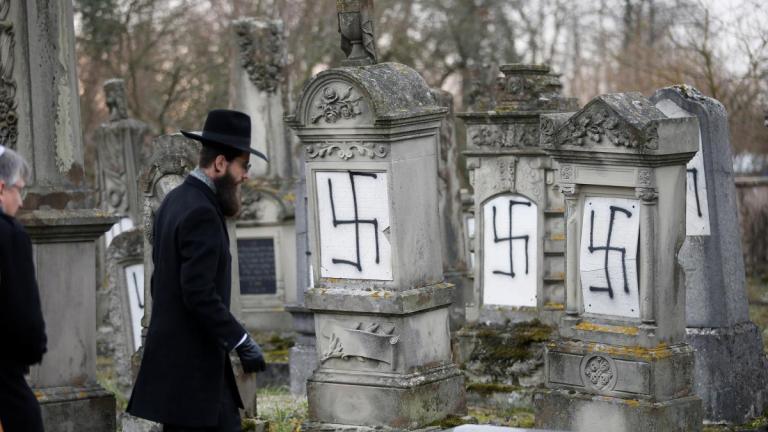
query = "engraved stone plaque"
x=510 y=251
x=256 y=261
x=353 y=222
x=608 y=256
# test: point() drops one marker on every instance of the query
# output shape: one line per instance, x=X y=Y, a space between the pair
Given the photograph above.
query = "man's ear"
x=220 y=164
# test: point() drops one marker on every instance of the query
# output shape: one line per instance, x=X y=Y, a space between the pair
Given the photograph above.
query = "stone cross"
x=40 y=118
x=717 y=315
x=380 y=304
x=621 y=362
x=520 y=240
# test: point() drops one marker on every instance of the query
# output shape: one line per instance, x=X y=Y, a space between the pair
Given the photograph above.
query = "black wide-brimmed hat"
x=226 y=128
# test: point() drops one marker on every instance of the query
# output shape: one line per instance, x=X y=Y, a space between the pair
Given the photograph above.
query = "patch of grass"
x=513 y=417
x=284 y=412
x=274 y=345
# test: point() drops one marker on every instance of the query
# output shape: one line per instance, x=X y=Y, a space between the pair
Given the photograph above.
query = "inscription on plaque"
x=258 y=274
x=353 y=219
x=608 y=258
x=510 y=244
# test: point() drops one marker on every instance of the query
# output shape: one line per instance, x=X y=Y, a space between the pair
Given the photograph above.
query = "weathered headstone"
x=455 y=269
x=621 y=362
x=40 y=118
x=717 y=315
x=519 y=232
x=381 y=308
x=265 y=228
x=121 y=150
x=125 y=277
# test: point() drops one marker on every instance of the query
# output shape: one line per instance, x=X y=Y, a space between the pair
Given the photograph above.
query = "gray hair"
x=13 y=167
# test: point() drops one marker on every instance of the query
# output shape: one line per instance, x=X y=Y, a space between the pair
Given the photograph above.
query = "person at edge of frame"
x=185 y=380
x=22 y=328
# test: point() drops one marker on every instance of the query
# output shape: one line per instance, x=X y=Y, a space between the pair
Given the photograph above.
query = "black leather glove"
x=251 y=356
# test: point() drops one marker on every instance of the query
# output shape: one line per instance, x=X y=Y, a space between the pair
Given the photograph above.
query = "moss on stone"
x=449 y=422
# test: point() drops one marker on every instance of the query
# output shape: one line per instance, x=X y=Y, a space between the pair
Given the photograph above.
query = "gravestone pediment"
x=612 y=122
x=263 y=205
x=354 y=97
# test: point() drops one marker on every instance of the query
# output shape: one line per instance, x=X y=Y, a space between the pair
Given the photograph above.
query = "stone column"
x=380 y=304
x=620 y=362
x=265 y=229
x=717 y=315
x=40 y=118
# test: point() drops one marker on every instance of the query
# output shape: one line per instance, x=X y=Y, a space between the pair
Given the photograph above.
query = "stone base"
x=351 y=404
x=572 y=411
x=302 y=363
x=730 y=373
x=77 y=409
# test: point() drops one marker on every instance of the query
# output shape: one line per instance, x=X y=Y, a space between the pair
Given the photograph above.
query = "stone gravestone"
x=520 y=235
x=455 y=268
x=381 y=308
x=121 y=150
x=40 y=118
x=265 y=229
x=621 y=362
x=717 y=315
x=125 y=277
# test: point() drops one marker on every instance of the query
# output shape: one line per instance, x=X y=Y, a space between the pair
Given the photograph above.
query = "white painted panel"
x=353 y=219
x=134 y=278
x=609 y=234
x=696 y=208
x=510 y=251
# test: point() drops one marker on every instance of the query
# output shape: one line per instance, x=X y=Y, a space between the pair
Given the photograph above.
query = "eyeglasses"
x=22 y=191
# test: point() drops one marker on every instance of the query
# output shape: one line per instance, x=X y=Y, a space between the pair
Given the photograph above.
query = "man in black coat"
x=185 y=380
x=22 y=330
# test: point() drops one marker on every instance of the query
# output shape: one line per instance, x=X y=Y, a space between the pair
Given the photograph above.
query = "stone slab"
x=557 y=409
x=302 y=363
x=731 y=372
x=92 y=412
x=402 y=408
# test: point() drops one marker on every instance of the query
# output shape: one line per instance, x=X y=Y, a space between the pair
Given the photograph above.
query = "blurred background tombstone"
x=717 y=311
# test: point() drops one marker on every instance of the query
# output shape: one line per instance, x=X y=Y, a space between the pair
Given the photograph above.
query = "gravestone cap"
x=530 y=87
x=377 y=95
x=620 y=128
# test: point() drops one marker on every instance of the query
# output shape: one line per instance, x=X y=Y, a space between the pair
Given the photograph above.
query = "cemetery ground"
x=286 y=413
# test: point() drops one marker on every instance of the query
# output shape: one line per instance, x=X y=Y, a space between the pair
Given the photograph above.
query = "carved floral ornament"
x=598 y=126
x=519 y=135
x=335 y=104
x=346 y=150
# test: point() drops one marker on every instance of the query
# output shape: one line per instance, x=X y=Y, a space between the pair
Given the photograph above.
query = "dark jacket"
x=191 y=330
x=22 y=330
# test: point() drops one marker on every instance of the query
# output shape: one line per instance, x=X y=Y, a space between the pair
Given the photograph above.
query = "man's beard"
x=228 y=194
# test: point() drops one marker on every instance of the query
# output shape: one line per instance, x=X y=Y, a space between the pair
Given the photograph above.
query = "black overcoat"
x=22 y=329
x=191 y=330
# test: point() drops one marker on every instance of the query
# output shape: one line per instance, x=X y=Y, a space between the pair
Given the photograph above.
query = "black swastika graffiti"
x=510 y=239
x=608 y=249
x=139 y=294
x=356 y=221
x=695 y=175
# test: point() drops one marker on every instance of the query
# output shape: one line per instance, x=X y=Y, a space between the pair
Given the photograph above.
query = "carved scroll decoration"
x=9 y=118
x=373 y=342
x=347 y=149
